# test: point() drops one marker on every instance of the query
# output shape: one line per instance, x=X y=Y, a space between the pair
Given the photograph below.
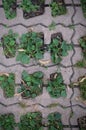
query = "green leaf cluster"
x=31 y=43
x=7 y=122
x=83 y=4
x=82 y=42
x=10 y=13
x=32 y=84
x=58 y=49
x=56 y=87
x=9 y=44
x=82 y=63
x=32 y=46
x=82 y=86
x=28 y=6
x=7 y=83
x=57 y=8
x=54 y=120
x=31 y=121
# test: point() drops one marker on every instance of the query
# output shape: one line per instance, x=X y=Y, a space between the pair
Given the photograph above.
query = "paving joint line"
x=46 y=5
x=35 y=65
x=18 y=103
x=63 y=65
x=58 y=104
x=41 y=24
x=71 y=59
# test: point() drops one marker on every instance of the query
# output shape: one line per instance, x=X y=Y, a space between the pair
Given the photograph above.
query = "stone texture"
x=44 y=103
x=79 y=32
x=77 y=112
x=78 y=72
x=78 y=55
x=76 y=99
x=79 y=18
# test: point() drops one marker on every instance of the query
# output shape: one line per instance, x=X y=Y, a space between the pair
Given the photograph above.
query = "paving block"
x=77 y=112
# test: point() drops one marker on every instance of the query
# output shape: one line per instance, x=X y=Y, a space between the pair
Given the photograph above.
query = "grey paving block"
x=79 y=32
x=68 y=1
x=79 y=18
x=64 y=113
x=18 y=111
x=65 y=31
x=78 y=72
x=44 y=103
x=76 y=1
x=78 y=55
x=67 y=128
x=19 y=19
x=18 y=1
x=47 y=1
x=77 y=112
x=66 y=72
x=65 y=19
x=76 y=99
x=45 y=19
x=12 y=21
x=0 y=2
x=75 y=129
x=66 y=59
x=46 y=100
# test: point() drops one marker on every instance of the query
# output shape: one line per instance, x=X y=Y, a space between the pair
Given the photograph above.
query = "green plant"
x=9 y=44
x=54 y=120
x=7 y=83
x=83 y=4
x=57 y=8
x=52 y=26
x=58 y=48
x=81 y=63
x=56 y=87
x=81 y=83
x=7 y=122
x=31 y=84
x=82 y=42
x=31 y=46
x=82 y=86
x=31 y=121
x=28 y=6
x=10 y=8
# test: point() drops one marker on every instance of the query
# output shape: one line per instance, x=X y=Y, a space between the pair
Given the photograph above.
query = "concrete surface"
x=70 y=107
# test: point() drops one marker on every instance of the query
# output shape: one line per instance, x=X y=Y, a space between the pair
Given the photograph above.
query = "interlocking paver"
x=72 y=26
x=79 y=32
x=79 y=18
x=75 y=129
x=78 y=72
x=77 y=1
x=77 y=112
x=76 y=99
x=78 y=55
